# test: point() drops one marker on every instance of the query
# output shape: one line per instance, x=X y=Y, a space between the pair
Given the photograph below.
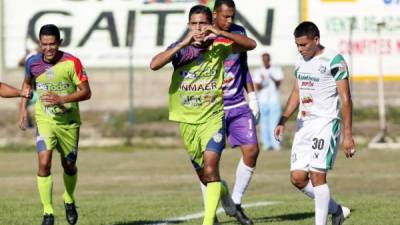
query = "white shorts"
x=315 y=144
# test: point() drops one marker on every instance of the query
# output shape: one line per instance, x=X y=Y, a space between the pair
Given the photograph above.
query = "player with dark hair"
x=240 y=115
x=196 y=101
x=60 y=82
x=322 y=77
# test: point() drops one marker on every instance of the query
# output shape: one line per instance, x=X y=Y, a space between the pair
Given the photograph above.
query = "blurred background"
x=115 y=40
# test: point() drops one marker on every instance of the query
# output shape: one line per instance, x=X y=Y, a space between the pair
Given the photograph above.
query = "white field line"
x=219 y=210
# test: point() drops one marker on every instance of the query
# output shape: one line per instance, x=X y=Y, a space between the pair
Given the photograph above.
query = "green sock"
x=69 y=185
x=45 y=186
x=213 y=194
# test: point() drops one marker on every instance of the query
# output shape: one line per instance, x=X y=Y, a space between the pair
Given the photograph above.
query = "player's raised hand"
x=51 y=98
x=210 y=33
x=348 y=146
x=188 y=39
x=211 y=29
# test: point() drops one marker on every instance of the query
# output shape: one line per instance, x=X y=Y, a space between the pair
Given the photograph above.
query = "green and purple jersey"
x=61 y=78
x=195 y=93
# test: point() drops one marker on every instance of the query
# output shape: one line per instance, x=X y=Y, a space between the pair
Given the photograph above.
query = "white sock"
x=309 y=191
x=322 y=197
x=243 y=177
x=203 y=192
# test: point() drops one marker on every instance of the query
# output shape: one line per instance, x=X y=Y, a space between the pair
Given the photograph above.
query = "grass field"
x=151 y=186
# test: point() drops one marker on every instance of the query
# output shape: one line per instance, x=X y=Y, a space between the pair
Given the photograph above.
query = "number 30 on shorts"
x=318 y=143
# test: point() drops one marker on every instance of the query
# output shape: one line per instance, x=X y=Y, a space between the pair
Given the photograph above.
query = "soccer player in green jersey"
x=60 y=82
x=195 y=98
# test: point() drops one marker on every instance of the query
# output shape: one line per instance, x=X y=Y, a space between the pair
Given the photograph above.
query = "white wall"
x=350 y=26
x=96 y=31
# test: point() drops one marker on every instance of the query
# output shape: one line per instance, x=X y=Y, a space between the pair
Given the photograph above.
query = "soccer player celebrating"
x=322 y=76
x=240 y=123
x=60 y=82
x=196 y=101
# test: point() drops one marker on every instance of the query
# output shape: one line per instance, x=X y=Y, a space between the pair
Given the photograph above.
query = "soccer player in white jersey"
x=322 y=77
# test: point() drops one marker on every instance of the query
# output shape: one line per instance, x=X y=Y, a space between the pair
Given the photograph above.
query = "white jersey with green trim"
x=316 y=79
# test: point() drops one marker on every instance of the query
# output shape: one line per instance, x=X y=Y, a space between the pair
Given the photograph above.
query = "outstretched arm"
x=291 y=106
x=347 y=111
x=8 y=91
x=241 y=43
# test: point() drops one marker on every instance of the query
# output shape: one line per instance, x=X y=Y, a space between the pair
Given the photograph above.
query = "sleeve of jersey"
x=27 y=66
x=238 y=30
x=79 y=72
x=176 y=56
x=183 y=56
x=339 y=68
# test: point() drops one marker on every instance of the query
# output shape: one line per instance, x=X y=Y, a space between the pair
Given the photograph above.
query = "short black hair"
x=201 y=9
x=219 y=3
x=50 y=30
x=306 y=28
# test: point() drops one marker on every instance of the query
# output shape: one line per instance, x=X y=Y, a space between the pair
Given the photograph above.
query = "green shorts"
x=208 y=136
x=64 y=139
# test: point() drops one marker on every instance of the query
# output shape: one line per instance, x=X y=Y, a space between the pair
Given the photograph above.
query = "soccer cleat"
x=227 y=202
x=48 y=219
x=346 y=212
x=241 y=217
x=70 y=213
x=342 y=213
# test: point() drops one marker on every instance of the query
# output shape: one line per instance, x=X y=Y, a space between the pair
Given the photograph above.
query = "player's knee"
x=210 y=174
x=70 y=168
x=253 y=152
x=299 y=183
x=44 y=169
x=250 y=155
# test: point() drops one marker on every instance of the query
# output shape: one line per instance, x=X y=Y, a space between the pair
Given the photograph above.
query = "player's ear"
x=316 y=40
x=214 y=16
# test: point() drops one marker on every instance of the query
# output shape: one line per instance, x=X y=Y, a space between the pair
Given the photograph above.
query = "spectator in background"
x=267 y=80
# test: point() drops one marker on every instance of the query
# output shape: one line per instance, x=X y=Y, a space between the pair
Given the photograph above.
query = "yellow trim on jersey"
x=364 y=77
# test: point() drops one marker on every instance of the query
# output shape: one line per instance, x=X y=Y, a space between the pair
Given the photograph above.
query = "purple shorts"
x=240 y=126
